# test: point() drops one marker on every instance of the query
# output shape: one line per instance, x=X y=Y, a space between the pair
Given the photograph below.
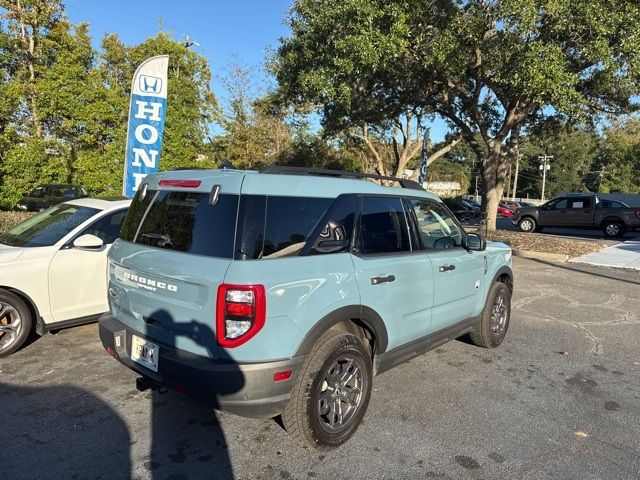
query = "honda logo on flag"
x=149 y=84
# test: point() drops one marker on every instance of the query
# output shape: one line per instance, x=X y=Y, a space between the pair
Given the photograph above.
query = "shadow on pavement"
x=187 y=439
x=586 y=271
x=61 y=432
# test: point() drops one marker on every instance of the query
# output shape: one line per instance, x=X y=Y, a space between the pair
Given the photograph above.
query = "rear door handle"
x=379 y=280
x=446 y=268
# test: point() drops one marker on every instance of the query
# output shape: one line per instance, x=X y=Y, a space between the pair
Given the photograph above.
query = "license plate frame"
x=145 y=353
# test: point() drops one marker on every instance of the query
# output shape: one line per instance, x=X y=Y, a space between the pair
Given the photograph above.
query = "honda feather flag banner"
x=146 y=122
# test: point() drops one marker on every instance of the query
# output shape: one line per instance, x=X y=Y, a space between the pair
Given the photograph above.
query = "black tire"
x=303 y=417
x=527 y=224
x=13 y=310
x=490 y=331
x=613 y=228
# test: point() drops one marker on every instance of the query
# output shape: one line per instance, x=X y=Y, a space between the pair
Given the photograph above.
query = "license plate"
x=145 y=353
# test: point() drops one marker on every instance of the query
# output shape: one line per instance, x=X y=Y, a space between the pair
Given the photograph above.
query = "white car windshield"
x=48 y=227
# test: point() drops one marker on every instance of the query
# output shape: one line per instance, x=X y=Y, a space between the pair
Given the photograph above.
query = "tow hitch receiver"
x=143 y=384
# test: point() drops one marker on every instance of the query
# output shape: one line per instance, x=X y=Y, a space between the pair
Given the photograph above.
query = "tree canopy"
x=488 y=67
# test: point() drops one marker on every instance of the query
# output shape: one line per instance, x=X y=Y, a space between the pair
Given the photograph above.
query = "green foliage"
x=64 y=109
x=487 y=67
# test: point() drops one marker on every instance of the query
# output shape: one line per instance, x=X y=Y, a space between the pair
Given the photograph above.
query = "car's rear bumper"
x=244 y=389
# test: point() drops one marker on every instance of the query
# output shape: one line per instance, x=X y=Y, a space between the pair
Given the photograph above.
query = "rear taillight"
x=240 y=313
x=638 y=213
x=179 y=183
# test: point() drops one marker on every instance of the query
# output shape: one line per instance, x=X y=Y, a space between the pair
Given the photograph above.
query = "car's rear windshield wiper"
x=164 y=240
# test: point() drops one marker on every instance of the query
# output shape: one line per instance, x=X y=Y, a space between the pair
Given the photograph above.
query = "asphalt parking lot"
x=560 y=399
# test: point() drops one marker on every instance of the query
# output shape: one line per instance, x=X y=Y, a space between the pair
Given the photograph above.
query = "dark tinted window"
x=611 y=204
x=108 y=227
x=289 y=222
x=582 y=202
x=336 y=230
x=383 y=226
x=558 y=204
x=135 y=214
x=186 y=222
x=436 y=227
x=250 y=239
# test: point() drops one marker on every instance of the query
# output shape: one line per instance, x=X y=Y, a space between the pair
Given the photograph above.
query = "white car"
x=53 y=268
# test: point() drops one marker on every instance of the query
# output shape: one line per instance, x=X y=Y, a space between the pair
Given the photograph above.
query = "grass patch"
x=539 y=242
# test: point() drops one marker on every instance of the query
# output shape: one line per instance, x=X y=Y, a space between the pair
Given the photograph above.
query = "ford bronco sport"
x=283 y=292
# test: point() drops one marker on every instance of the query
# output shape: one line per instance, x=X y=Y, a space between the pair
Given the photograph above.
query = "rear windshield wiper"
x=163 y=239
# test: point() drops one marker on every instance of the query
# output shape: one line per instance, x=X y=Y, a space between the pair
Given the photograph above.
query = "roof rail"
x=323 y=172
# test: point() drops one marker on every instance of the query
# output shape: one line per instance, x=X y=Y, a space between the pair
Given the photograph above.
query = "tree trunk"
x=493 y=175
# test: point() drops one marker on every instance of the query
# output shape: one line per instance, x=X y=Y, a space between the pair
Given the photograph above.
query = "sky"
x=226 y=30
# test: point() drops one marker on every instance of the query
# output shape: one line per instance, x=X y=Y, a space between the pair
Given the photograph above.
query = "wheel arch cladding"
x=357 y=315
x=504 y=275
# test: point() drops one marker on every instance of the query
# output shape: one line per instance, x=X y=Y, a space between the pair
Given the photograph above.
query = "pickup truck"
x=614 y=218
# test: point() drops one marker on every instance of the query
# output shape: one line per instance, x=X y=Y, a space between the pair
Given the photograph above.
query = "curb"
x=552 y=257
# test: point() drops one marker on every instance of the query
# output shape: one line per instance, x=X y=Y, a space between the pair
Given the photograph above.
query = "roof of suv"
x=258 y=183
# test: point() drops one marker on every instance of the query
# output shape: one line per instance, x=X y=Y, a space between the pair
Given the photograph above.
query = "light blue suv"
x=283 y=292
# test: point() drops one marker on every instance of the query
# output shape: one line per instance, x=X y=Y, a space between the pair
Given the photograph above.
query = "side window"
x=581 y=203
x=436 y=227
x=334 y=234
x=289 y=222
x=108 y=227
x=383 y=226
x=560 y=204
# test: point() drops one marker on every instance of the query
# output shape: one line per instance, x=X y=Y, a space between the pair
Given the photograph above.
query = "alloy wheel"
x=10 y=325
x=613 y=229
x=499 y=316
x=340 y=393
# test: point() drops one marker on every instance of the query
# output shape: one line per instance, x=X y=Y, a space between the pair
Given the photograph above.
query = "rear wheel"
x=494 y=321
x=527 y=224
x=15 y=322
x=613 y=228
x=331 y=393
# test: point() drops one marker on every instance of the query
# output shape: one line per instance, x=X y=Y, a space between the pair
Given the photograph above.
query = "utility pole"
x=515 y=177
x=544 y=166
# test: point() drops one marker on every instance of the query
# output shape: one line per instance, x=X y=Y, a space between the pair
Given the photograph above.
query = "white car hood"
x=9 y=254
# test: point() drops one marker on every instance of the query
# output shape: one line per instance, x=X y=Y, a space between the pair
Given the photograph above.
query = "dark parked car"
x=614 y=218
x=48 y=195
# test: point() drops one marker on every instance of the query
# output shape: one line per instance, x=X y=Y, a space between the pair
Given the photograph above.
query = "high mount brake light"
x=180 y=183
x=240 y=313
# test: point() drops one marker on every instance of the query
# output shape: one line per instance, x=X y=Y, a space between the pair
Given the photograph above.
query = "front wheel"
x=527 y=224
x=494 y=321
x=331 y=393
x=15 y=322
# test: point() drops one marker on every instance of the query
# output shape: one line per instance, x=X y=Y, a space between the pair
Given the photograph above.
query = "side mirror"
x=474 y=242
x=88 y=242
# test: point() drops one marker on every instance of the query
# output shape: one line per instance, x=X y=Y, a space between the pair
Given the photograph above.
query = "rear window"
x=184 y=222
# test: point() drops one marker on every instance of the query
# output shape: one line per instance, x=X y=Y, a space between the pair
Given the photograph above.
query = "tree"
x=488 y=67
x=255 y=131
x=28 y=23
x=617 y=168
